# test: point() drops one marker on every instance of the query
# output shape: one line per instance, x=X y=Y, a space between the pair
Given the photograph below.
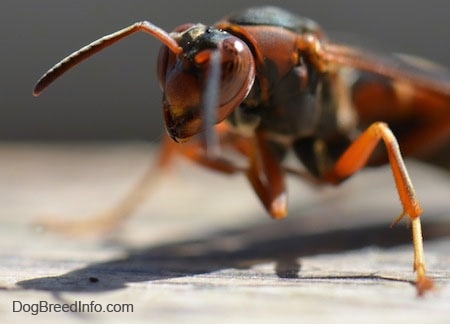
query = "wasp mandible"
x=263 y=82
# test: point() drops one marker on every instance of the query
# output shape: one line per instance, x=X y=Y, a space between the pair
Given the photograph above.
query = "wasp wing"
x=411 y=94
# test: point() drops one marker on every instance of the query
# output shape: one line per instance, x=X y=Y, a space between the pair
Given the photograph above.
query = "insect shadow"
x=242 y=248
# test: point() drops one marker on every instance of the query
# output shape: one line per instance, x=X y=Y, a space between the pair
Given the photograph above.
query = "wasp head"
x=184 y=78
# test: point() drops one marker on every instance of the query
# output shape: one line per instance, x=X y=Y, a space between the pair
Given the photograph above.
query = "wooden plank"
x=202 y=249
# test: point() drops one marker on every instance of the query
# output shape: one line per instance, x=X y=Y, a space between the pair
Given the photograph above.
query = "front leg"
x=111 y=218
x=267 y=177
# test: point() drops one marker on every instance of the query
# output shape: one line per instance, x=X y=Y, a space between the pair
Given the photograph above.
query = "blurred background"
x=115 y=94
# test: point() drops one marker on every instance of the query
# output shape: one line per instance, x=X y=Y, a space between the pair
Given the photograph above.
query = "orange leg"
x=264 y=171
x=356 y=156
x=111 y=218
x=267 y=178
x=196 y=153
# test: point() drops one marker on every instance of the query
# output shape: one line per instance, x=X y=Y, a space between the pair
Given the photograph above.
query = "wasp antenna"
x=210 y=102
x=98 y=45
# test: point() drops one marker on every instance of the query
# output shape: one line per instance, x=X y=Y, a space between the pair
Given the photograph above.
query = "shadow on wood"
x=234 y=249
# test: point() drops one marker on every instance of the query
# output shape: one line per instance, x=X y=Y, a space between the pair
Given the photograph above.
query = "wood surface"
x=202 y=250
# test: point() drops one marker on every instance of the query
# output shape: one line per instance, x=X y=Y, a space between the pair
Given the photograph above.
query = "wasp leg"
x=267 y=178
x=356 y=156
x=197 y=154
x=111 y=218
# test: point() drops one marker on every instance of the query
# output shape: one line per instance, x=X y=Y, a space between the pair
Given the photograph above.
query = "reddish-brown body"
x=272 y=82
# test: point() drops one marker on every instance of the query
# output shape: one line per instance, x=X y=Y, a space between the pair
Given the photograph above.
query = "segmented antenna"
x=98 y=45
x=210 y=103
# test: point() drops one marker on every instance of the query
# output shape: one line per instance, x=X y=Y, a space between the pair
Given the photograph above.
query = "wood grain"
x=201 y=249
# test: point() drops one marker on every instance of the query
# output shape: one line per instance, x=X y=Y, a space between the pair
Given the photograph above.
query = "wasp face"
x=184 y=77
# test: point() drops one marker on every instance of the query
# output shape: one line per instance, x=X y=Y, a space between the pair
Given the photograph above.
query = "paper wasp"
x=263 y=82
